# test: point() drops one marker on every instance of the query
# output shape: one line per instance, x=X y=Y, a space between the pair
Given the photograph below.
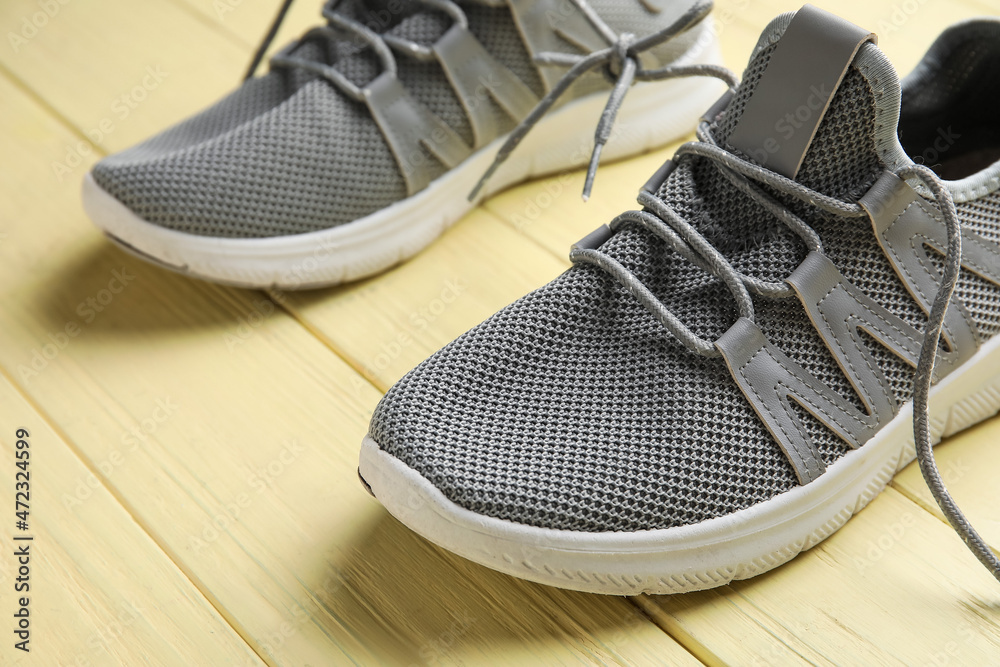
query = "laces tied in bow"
x=620 y=63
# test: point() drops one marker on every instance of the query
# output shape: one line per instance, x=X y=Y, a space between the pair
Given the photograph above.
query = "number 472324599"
x=22 y=479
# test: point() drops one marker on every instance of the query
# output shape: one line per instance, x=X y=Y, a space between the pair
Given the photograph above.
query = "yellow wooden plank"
x=718 y=632
x=249 y=482
x=248 y=20
x=449 y=610
x=80 y=57
x=195 y=413
x=99 y=590
x=332 y=591
x=894 y=586
x=983 y=7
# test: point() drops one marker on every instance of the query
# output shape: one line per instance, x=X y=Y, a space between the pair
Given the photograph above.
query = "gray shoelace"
x=661 y=220
x=265 y=43
x=620 y=61
x=340 y=27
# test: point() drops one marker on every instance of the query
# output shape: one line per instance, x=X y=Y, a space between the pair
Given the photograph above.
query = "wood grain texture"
x=248 y=20
x=224 y=424
x=967 y=462
x=893 y=586
x=101 y=591
x=106 y=66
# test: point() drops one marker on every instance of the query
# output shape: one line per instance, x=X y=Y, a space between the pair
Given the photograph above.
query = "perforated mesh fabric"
x=982 y=216
x=574 y=409
x=287 y=153
x=982 y=302
x=287 y=171
x=981 y=299
x=571 y=409
x=250 y=100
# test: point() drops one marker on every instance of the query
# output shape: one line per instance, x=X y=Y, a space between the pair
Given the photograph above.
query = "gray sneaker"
x=369 y=134
x=725 y=377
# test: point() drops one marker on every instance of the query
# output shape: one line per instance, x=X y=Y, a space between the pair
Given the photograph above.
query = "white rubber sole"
x=688 y=558
x=654 y=114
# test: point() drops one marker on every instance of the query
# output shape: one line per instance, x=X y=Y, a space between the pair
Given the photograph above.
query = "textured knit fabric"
x=574 y=409
x=288 y=153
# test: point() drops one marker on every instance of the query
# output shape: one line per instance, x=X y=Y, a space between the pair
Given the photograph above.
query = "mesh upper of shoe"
x=287 y=153
x=574 y=409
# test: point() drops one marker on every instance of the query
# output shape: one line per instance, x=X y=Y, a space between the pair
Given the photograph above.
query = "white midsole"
x=694 y=557
x=654 y=114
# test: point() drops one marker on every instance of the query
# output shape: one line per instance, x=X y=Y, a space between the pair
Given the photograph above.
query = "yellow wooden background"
x=195 y=500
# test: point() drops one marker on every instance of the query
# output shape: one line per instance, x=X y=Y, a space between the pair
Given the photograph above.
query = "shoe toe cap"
x=313 y=162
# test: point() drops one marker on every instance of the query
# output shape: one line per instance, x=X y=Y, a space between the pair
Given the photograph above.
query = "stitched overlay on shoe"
x=839 y=311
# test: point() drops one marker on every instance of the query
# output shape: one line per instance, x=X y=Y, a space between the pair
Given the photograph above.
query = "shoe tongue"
x=819 y=118
x=805 y=109
x=793 y=93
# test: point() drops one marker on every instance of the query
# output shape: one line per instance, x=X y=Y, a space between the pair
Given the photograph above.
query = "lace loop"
x=382 y=44
x=336 y=21
x=627 y=279
x=719 y=266
x=772 y=179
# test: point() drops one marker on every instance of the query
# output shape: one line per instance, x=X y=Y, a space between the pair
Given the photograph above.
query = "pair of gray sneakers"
x=808 y=298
